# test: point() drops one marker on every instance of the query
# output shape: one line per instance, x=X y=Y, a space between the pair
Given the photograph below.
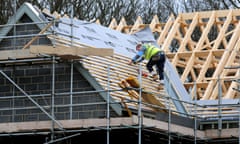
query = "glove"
x=130 y=62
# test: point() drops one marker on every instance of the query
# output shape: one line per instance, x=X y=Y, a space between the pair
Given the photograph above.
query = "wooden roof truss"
x=201 y=46
x=203 y=58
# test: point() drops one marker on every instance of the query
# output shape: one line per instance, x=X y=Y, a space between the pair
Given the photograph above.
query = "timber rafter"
x=206 y=43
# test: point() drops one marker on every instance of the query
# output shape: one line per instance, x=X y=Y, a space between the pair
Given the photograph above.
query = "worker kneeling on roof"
x=155 y=57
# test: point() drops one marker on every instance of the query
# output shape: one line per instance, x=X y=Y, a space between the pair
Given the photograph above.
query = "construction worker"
x=155 y=57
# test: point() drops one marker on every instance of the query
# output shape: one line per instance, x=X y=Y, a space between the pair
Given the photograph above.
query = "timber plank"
x=72 y=52
x=16 y=54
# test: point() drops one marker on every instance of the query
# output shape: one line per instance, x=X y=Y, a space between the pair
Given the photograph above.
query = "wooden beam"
x=137 y=25
x=67 y=124
x=113 y=24
x=188 y=34
x=198 y=47
x=231 y=92
x=41 y=32
x=207 y=14
x=225 y=56
x=225 y=133
x=199 y=84
x=70 y=52
x=166 y=30
x=214 y=51
x=162 y=125
x=16 y=54
x=96 y=123
x=122 y=26
x=224 y=72
x=155 y=25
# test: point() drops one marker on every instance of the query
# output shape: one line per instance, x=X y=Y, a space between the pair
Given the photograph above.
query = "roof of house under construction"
x=70 y=78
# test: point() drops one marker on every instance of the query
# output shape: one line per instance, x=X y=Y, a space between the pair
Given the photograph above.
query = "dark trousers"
x=157 y=60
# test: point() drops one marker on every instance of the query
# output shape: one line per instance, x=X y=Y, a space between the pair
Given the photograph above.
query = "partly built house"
x=65 y=80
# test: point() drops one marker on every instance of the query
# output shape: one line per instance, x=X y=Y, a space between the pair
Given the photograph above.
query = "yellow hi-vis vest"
x=150 y=51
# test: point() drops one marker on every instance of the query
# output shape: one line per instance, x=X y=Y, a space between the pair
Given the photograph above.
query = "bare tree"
x=105 y=10
x=231 y=3
x=5 y=11
x=8 y=8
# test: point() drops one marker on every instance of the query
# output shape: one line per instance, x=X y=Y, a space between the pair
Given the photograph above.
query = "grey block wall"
x=36 y=81
x=25 y=33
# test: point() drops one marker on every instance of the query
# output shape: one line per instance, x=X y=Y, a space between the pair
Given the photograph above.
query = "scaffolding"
x=57 y=127
x=70 y=106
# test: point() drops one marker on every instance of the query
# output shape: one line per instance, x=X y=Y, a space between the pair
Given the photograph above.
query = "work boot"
x=161 y=82
x=154 y=76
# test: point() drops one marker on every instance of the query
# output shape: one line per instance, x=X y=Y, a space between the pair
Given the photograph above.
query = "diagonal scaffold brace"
x=32 y=100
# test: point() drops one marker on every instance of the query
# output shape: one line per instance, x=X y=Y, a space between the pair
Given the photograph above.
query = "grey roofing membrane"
x=175 y=88
x=216 y=102
x=98 y=36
